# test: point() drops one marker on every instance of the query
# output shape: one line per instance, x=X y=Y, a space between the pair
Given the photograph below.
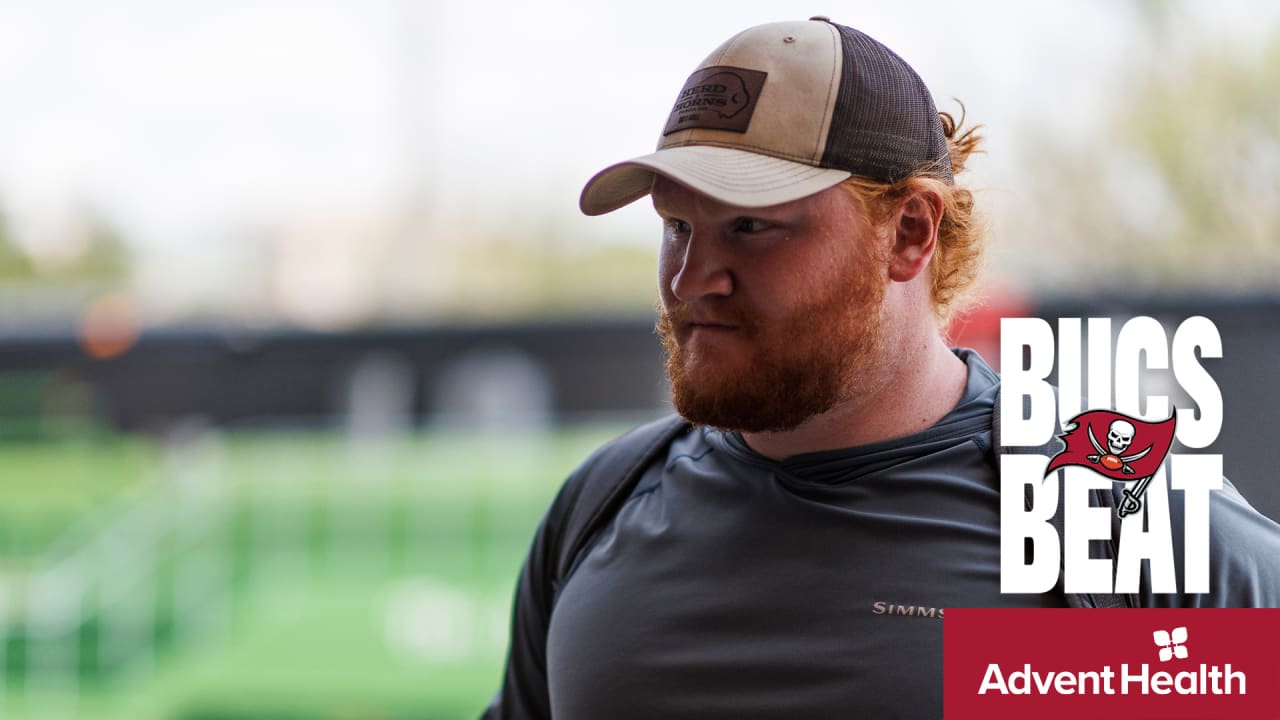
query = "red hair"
x=957 y=259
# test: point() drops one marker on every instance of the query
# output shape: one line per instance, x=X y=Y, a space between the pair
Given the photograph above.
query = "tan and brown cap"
x=782 y=111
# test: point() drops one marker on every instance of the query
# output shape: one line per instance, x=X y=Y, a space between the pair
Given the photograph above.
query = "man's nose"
x=703 y=270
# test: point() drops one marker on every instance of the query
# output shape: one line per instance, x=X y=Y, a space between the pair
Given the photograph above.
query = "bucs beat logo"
x=1132 y=452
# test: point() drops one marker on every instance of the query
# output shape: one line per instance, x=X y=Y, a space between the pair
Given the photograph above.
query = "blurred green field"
x=266 y=575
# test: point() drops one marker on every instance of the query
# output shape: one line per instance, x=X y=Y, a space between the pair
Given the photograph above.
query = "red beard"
x=785 y=371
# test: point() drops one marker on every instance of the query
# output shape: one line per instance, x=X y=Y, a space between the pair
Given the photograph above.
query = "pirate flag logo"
x=1118 y=447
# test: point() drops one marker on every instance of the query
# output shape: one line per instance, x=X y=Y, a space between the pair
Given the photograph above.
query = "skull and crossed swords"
x=1119 y=438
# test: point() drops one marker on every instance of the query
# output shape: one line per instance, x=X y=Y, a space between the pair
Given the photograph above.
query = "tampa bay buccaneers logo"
x=1119 y=447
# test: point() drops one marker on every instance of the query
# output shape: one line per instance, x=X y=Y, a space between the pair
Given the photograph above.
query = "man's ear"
x=915 y=234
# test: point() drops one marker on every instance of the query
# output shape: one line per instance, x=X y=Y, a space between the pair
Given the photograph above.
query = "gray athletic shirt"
x=731 y=585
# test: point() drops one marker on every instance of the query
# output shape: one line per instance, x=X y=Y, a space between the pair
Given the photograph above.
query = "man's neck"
x=918 y=391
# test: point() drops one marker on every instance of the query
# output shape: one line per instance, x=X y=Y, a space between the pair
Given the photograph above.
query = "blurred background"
x=300 y=327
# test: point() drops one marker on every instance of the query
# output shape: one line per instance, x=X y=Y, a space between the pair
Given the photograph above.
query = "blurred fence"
x=283 y=576
x=152 y=569
x=239 y=377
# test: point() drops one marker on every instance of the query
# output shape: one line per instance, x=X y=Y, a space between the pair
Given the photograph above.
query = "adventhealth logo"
x=1141 y=663
x=1138 y=680
x=1171 y=643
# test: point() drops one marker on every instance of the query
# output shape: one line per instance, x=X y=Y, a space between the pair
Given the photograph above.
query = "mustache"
x=678 y=314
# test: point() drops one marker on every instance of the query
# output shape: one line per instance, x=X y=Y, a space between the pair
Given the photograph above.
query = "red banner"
x=1115 y=445
x=1094 y=664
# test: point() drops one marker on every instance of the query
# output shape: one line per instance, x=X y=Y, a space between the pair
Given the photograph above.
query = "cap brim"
x=734 y=177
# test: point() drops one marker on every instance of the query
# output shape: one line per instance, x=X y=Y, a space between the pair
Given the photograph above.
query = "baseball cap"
x=782 y=111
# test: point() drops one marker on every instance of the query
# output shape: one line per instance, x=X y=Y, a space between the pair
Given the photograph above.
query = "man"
x=839 y=468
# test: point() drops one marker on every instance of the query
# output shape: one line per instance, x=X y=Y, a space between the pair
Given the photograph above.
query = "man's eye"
x=678 y=227
x=751 y=225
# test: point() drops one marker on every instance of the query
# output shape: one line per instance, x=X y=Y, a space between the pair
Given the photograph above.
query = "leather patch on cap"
x=716 y=98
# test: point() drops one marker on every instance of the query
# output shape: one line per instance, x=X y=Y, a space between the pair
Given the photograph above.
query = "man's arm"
x=524 y=691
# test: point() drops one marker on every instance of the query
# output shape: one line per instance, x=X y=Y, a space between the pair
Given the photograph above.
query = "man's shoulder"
x=635 y=446
x=1243 y=548
x=593 y=492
